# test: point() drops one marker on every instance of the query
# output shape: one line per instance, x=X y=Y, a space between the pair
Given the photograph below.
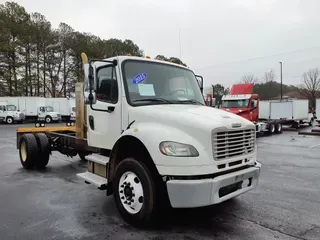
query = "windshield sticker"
x=139 y=78
x=146 y=90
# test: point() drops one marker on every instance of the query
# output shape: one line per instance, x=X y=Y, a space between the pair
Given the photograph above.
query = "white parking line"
x=314 y=146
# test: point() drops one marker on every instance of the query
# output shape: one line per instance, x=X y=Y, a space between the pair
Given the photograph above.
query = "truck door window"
x=2 y=108
x=107 y=89
x=42 y=109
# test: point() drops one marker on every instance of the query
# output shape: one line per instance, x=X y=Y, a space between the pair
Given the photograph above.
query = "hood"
x=192 y=116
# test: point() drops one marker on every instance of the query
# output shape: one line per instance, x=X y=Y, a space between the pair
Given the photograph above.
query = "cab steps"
x=97 y=171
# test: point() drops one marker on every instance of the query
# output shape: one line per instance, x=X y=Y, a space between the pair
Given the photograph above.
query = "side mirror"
x=90 y=98
x=254 y=104
x=200 y=82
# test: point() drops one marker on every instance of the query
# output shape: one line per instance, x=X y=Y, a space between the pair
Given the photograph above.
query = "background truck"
x=34 y=108
x=268 y=116
x=150 y=140
x=64 y=106
x=9 y=113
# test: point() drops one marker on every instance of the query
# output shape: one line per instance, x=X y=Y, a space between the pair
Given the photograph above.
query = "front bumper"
x=205 y=192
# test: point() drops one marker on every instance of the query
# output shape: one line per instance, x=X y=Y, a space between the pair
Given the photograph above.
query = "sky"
x=221 y=40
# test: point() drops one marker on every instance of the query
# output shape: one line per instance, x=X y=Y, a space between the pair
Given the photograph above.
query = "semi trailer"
x=270 y=115
x=149 y=139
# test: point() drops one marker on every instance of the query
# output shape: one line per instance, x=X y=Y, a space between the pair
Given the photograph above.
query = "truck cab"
x=153 y=113
x=47 y=114
x=244 y=105
x=9 y=113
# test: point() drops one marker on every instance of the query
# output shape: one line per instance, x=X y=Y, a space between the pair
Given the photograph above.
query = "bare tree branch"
x=249 y=78
x=311 y=85
x=269 y=76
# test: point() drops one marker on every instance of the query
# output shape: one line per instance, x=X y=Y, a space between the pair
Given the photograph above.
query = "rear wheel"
x=311 y=122
x=28 y=150
x=272 y=128
x=278 y=128
x=134 y=192
x=44 y=150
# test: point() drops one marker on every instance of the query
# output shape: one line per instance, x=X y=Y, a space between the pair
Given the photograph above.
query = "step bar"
x=94 y=179
x=96 y=158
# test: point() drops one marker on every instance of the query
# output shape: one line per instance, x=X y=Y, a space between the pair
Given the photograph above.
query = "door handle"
x=91 y=122
x=111 y=109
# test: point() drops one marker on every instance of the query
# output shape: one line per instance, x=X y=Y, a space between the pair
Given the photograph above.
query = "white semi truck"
x=150 y=139
x=9 y=113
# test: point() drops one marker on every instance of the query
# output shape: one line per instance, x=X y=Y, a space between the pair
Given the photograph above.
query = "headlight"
x=178 y=149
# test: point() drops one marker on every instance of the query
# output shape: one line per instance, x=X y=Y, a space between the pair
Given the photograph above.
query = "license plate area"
x=224 y=191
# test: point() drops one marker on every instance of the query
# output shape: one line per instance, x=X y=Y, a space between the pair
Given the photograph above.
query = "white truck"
x=9 y=113
x=150 y=139
x=34 y=108
x=64 y=106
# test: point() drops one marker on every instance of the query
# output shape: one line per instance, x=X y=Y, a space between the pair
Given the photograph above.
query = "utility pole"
x=180 y=44
x=281 y=79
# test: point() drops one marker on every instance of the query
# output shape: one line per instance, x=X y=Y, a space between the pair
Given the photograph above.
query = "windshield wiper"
x=162 y=100
x=191 y=101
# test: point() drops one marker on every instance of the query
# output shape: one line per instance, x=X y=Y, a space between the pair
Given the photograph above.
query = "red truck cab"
x=242 y=101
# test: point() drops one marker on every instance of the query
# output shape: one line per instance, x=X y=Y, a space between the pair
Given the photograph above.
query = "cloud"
x=212 y=32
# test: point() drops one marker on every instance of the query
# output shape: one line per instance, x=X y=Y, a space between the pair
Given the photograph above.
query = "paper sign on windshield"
x=146 y=90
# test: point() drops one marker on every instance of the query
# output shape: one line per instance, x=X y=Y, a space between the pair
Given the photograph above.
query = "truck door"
x=2 y=113
x=104 y=116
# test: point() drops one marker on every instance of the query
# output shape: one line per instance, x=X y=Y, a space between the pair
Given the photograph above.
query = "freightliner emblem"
x=236 y=125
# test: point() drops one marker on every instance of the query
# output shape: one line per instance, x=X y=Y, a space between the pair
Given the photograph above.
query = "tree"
x=269 y=76
x=218 y=91
x=311 y=85
x=37 y=60
x=171 y=59
x=249 y=78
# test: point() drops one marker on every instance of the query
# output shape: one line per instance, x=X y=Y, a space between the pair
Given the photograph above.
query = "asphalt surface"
x=55 y=204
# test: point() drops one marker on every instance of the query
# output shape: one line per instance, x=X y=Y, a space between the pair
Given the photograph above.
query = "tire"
x=9 y=120
x=311 y=122
x=134 y=175
x=278 y=128
x=271 y=129
x=48 y=119
x=44 y=150
x=28 y=150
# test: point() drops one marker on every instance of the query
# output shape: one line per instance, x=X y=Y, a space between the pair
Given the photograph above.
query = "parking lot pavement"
x=55 y=204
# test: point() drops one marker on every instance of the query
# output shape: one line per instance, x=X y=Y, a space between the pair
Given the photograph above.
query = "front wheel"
x=134 y=192
x=9 y=120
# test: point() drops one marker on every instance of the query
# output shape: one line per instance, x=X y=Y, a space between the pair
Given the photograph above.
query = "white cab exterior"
x=195 y=125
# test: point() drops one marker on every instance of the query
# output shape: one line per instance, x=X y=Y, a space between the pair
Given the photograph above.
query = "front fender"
x=152 y=134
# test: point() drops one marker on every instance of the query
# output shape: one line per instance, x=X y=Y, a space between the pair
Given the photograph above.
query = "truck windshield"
x=239 y=103
x=11 y=108
x=149 y=83
x=49 y=109
x=73 y=109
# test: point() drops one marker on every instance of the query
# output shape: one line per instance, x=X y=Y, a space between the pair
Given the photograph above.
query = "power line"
x=255 y=58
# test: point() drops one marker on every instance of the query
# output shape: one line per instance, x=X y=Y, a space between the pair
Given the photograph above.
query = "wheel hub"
x=131 y=192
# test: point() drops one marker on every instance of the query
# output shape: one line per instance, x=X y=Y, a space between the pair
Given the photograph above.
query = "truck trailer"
x=268 y=116
x=149 y=139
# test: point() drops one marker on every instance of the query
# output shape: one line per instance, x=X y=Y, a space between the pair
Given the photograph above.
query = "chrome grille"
x=233 y=143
